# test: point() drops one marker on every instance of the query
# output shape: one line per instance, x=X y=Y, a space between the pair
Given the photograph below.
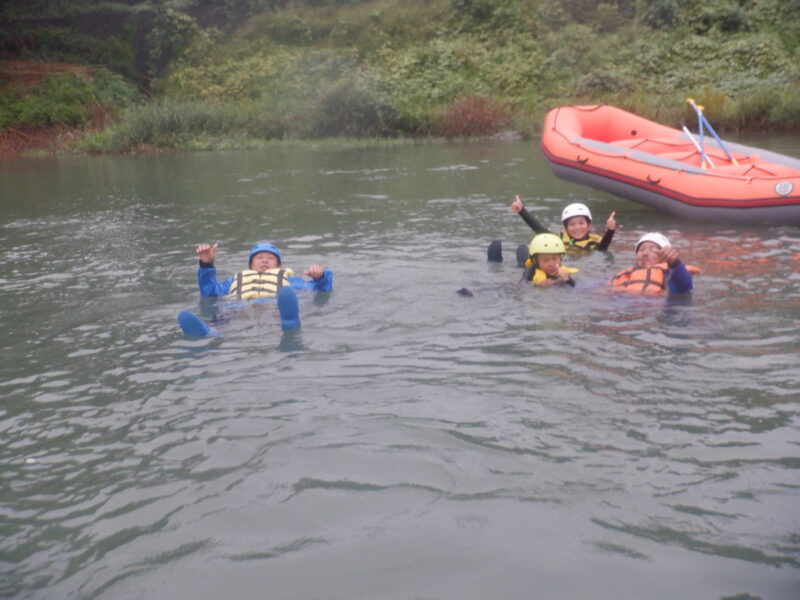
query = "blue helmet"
x=263 y=247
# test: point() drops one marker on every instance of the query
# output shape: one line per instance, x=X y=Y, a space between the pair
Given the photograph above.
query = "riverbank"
x=442 y=68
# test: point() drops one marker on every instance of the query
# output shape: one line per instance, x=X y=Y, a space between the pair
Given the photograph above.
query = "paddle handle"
x=702 y=119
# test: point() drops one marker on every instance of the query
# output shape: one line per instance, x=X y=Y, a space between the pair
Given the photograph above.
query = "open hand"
x=669 y=255
x=206 y=252
x=314 y=271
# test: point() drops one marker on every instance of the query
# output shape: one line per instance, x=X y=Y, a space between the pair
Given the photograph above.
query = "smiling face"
x=577 y=227
x=263 y=261
x=648 y=254
x=549 y=263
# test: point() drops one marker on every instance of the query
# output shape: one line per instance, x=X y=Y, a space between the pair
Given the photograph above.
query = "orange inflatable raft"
x=616 y=151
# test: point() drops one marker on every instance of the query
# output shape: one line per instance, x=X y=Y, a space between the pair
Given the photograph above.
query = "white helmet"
x=576 y=210
x=658 y=239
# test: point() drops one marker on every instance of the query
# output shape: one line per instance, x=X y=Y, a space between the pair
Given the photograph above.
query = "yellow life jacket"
x=591 y=242
x=539 y=275
x=249 y=285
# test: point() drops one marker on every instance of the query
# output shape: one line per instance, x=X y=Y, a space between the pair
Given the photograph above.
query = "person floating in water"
x=544 y=266
x=577 y=235
x=264 y=278
x=658 y=269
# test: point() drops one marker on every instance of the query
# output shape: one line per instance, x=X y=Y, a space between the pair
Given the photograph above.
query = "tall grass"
x=170 y=124
x=766 y=108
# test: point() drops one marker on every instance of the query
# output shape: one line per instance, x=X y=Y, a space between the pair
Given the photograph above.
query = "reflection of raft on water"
x=615 y=151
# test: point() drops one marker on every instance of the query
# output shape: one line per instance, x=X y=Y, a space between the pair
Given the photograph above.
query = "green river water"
x=406 y=442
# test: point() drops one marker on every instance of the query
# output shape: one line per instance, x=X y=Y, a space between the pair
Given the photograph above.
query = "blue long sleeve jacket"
x=209 y=286
x=679 y=280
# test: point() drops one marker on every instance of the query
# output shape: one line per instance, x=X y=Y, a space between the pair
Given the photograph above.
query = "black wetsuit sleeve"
x=570 y=282
x=532 y=221
x=606 y=241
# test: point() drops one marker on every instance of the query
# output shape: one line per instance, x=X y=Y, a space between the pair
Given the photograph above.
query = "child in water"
x=544 y=266
x=577 y=235
x=542 y=259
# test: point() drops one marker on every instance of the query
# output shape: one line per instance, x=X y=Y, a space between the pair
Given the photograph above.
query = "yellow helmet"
x=546 y=243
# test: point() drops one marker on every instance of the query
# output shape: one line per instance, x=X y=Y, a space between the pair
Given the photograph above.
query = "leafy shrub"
x=66 y=99
x=721 y=15
x=662 y=14
x=59 y=100
x=172 y=34
x=601 y=82
x=279 y=75
x=473 y=116
x=479 y=10
x=349 y=108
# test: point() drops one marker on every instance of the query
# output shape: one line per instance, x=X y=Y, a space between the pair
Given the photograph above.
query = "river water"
x=407 y=442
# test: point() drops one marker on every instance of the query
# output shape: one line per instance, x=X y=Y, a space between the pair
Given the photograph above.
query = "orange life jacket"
x=642 y=280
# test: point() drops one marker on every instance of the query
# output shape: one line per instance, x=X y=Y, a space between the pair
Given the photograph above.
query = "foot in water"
x=191 y=324
x=522 y=255
x=288 y=308
x=495 y=251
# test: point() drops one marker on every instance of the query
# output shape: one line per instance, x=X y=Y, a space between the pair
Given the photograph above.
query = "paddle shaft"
x=696 y=145
x=702 y=120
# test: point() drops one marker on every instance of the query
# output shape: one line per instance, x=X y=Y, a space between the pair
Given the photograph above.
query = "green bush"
x=59 y=100
x=66 y=99
x=662 y=14
x=350 y=108
x=8 y=109
x=172 y=34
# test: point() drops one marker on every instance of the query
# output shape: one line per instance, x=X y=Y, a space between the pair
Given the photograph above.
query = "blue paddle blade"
x=289 y=309
x=191 y=324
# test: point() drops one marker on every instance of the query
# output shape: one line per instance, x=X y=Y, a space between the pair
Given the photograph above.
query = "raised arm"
x=321 y=280
x=611 y=227
x=680 y=280
x=207 y=272
x=533 y=222
x=207 y=253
